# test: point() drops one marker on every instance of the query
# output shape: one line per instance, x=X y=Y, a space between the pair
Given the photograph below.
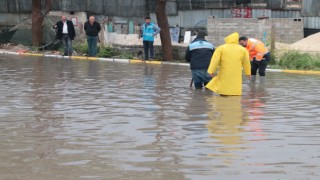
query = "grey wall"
x=124 y=8
x=311 y=8
x=138 y=8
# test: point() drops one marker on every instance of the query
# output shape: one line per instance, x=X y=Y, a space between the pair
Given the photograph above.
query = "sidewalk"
x=137 y=61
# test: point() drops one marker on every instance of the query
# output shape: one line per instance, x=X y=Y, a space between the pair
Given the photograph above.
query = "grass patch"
x=80 y=48
x=107 y=51
x=126 y=55
x=300 y=61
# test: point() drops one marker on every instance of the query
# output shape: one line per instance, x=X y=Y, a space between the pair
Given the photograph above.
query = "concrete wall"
x=7 y=20
x=81 y=18
x=286 y=30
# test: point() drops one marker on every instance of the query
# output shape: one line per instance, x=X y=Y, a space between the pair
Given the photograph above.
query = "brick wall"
x=287 y=30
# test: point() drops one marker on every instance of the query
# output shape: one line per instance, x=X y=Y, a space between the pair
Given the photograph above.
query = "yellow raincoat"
x=230 y=58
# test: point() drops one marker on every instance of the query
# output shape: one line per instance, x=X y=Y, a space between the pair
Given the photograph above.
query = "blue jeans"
x=200 y=78
x=92 y=45
x=148 y=45
x=67 y=44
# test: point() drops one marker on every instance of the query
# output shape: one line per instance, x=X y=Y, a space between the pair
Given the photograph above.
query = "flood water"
x=73 y=119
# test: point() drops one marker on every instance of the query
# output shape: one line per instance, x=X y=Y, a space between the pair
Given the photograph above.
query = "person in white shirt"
x=66 y=34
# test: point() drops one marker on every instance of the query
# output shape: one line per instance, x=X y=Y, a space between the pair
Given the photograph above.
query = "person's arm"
x=188 y=55
x=246 y=64
x=260 y=50
x=99 y=27
x=55 y=26
x=215 y=61
x=72 y=29
x=85 y=26
x=213 y=51
x=156 y=29
x=142 y=30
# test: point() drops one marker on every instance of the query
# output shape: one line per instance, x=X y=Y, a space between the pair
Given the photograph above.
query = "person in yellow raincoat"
x=230 y=58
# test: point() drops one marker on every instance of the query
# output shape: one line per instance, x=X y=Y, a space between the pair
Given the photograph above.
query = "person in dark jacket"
x=65 y=33
x=199 y=54
x=92 y=29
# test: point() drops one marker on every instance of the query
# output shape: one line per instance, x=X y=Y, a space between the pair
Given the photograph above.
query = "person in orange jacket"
x=259 y=56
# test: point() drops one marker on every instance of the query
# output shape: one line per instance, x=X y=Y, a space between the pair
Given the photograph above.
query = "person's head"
x=91 y=19
x=63 y=18
x=201 y=34
x=243 y=41
x=147 y=19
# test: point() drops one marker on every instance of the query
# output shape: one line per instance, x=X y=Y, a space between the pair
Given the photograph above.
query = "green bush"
x=81 y=47
x=107 y=51
x=126 y=55
x=297 y=60
x=272 y=58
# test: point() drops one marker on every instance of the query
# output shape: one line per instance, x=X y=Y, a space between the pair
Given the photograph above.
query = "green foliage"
x=107 y=51
x=80 y=47
x=272 y=58
x=298 y=60
x=126 y=55
x=34 y=48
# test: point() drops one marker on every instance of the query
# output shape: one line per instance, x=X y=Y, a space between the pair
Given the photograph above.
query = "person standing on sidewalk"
x=149 y=30
x=259 y=56
x=92 y=29
x=65 y=33
x=199 y=54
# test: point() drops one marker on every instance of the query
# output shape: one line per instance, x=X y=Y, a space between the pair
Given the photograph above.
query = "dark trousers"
x=200 y=78
x=92 y=45
x=261 y=65
x=148 y=45
x=67 y=43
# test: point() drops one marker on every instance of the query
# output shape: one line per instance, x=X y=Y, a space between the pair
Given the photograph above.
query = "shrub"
x=107 y=51
x=272 y=58
x=81 y=47
x=126 y=55
x=297 y=60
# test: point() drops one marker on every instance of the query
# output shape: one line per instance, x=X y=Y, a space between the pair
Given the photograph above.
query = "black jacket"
x=92 y=30
x=199 y=54
x=71 y=31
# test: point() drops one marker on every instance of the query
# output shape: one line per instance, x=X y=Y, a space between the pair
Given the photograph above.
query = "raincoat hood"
x=232 y=38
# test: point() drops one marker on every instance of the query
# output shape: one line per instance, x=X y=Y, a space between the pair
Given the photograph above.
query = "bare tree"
x=165 y=31
x=38 y=15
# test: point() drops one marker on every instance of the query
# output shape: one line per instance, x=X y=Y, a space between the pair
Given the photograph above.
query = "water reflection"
x=65 y=119
x=254 y=104
x=226 y=120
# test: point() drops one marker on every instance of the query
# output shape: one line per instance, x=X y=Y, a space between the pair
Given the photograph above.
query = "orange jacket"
x=256 y=49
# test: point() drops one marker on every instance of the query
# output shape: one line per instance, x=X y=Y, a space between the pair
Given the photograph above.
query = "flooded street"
x=73 y=119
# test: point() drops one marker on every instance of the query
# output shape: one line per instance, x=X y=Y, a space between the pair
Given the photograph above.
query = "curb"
x=136 y=61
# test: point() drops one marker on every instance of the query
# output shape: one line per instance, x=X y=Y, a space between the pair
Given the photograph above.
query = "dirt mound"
x=308 y=44
x=283 y=46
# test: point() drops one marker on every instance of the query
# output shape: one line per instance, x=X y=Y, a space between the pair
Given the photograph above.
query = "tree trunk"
x=165 y=31
x=37 y=20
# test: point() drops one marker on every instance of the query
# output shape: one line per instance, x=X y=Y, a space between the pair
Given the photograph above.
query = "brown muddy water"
x=71 y=119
